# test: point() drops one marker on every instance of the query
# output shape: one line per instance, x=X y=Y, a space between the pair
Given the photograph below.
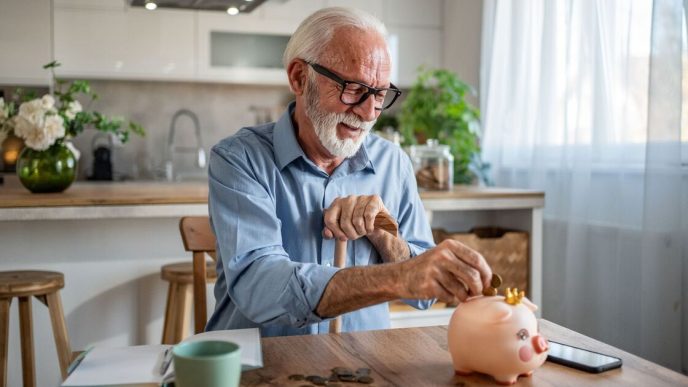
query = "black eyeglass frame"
x=343 y=83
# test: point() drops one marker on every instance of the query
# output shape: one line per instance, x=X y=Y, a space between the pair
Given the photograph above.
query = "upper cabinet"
x=25 y=31
x=241 y=49
x=109 y=39
x=127 y=43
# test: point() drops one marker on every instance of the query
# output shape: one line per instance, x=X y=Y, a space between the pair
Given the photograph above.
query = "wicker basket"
x=506 y=251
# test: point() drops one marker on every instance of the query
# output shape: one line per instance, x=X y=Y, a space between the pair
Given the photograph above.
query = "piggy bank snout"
x=540 y=344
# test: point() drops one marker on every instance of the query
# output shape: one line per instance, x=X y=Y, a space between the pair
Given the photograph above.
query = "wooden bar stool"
x=199 y=239
x=45 y=286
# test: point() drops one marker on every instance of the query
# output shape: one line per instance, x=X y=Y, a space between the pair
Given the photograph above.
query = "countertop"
x=150 y=193
x=108 y=200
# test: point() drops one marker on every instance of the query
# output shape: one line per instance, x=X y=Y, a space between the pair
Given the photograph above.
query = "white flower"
x=73 y=108
x=3 y=111
x=39 y=124
x=48 y=101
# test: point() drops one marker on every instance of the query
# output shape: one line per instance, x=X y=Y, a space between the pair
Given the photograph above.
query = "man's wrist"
x=390 y=248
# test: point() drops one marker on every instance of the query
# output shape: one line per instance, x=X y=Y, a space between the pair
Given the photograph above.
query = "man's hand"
x=352 y=217
x=449 y=272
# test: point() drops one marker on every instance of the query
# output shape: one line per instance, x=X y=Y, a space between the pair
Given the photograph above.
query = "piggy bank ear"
x=529 y=304
x=498 y=312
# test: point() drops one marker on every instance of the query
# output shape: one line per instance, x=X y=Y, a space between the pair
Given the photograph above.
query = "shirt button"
x=328 y=264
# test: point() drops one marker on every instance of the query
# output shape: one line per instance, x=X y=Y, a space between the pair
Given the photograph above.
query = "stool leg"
x=4 y=338
x=64 y=351
x=200 y=302
x=182 y=312
x=170 y=312
x=26 y=331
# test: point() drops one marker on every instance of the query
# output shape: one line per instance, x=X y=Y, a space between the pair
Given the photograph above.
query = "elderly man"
x=281 y=193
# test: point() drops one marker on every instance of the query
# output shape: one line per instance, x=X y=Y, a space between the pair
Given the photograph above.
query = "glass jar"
x=433 y=165
x=51 y=170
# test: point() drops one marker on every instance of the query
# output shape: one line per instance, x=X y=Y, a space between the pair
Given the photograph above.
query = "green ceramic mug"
x=207 y=364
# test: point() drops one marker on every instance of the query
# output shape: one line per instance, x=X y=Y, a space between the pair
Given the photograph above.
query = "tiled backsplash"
x=222 y=110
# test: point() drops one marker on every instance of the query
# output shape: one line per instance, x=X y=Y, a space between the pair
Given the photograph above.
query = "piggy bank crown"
x=514 y=297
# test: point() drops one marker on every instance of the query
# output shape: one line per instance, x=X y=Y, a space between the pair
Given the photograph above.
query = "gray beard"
x=325 y=125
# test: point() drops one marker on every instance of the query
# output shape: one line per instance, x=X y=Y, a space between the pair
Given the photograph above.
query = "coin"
x=489 y=291
x=313 y=378
x=342 y=371
x=496 y=280
x=296 y=377
x=365 y=379
x=347 y=378
x=363 y=371
x=317 y=380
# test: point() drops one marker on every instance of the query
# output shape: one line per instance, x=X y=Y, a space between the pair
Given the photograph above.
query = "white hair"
x=316 y=30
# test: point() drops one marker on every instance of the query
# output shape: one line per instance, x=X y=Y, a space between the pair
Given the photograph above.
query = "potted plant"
x=436 y=108
x=47 y=163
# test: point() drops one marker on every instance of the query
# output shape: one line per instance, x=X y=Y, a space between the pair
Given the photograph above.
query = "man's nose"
x=366 y=109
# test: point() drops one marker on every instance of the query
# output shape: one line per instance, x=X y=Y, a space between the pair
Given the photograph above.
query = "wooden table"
x=419 y=357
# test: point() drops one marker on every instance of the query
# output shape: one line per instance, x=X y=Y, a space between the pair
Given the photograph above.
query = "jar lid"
x=432 y=146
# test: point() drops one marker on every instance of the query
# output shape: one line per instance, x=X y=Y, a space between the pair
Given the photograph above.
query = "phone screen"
x=581 y=358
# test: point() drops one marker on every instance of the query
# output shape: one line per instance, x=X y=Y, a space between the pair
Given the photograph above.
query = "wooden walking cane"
x=383 y=221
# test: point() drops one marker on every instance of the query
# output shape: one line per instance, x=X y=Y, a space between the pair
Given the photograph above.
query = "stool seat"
x=29 y=283
x=25 y=285
x=182 y=272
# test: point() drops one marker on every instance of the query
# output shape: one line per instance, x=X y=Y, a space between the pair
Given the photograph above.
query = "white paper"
x=105 y=366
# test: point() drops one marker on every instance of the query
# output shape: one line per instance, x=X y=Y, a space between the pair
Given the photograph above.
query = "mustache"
x=352 y=120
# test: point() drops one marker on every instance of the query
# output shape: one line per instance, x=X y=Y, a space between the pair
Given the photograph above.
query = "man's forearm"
x=390 y=248
x=358 y=287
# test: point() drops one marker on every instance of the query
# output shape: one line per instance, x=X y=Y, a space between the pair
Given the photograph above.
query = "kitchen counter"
x=108 y=193
x=91 y=200
x=106 y=200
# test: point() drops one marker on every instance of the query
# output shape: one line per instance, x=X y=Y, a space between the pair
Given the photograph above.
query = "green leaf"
x=51 y=65
x=436 y=107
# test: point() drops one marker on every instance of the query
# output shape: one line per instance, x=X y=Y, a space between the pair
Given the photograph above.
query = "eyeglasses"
x=355 y=93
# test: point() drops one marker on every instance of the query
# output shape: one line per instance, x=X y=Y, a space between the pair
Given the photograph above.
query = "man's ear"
x=296 y=74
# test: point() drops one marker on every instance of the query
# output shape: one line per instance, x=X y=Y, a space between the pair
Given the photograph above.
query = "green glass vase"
x=51 y=170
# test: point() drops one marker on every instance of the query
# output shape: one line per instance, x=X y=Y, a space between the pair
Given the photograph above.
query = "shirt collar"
x=285 y=144
x=288 y=149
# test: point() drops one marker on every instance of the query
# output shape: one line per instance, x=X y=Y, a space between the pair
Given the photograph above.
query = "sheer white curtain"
x=582 y=99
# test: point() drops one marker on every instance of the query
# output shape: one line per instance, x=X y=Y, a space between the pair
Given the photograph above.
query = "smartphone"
x=581 y=359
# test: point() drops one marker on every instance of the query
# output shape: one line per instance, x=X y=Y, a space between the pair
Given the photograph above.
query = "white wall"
x=222 y=109
x=462 y=34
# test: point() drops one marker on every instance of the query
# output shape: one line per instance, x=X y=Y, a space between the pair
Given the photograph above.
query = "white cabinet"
x=230 y=47
x=109 y=39
x=373 y=7
x=131 y=43
x=91 y=4
x=415 y=47
x=24 y=41
x=291 y=11
x=425 y=13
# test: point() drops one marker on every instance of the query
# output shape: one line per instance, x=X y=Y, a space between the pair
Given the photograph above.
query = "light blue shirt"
x=266 y=206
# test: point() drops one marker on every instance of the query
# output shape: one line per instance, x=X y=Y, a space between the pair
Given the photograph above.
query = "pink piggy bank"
x=498 y=336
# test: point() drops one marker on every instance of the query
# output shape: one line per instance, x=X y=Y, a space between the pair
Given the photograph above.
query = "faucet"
x=172 y=149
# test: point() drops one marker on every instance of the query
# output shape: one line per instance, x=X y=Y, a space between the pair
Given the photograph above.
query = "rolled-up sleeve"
x=264 y=283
